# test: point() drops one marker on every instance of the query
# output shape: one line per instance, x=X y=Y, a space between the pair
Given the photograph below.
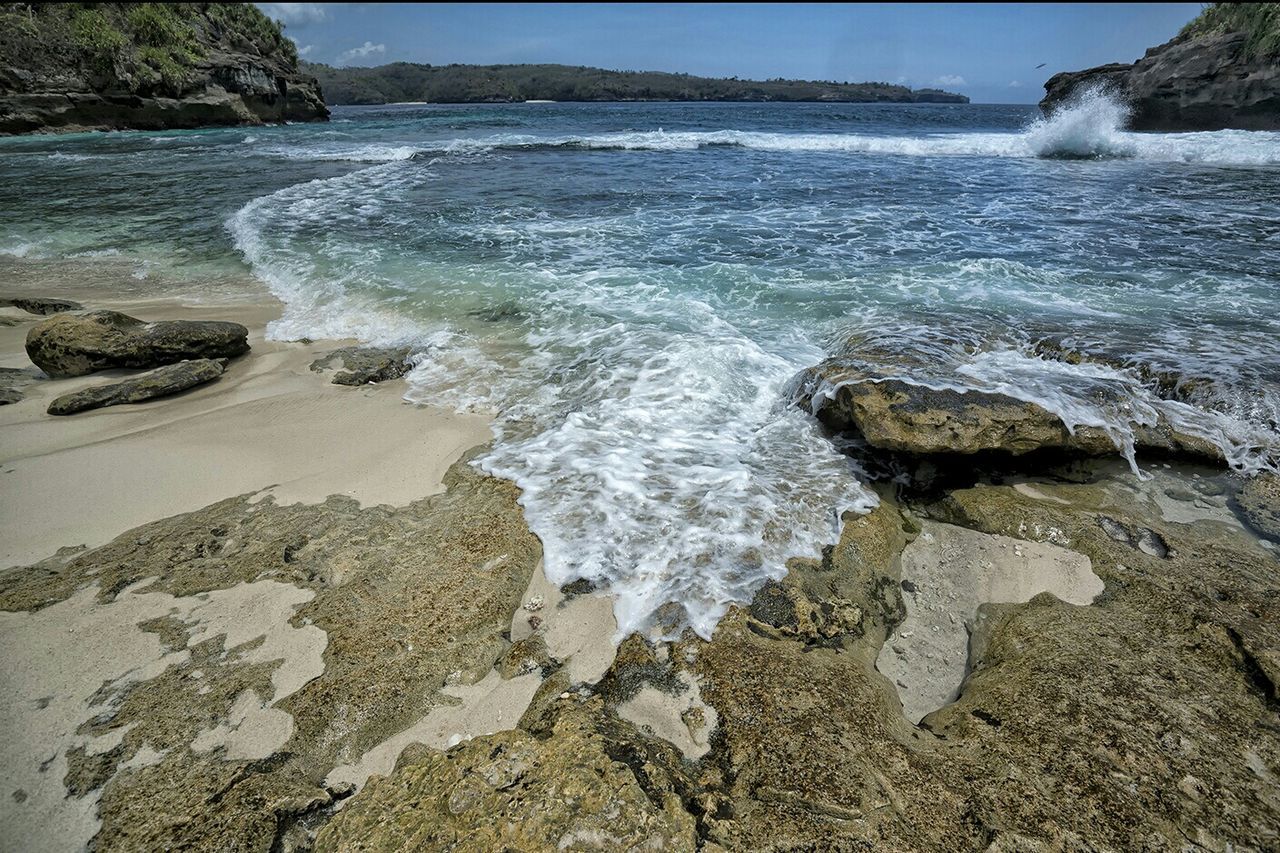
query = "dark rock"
x=363 y=365
x=77 y=344
x=161 y=382
x=40 y=305
x=1209 y=82
x=233 y=67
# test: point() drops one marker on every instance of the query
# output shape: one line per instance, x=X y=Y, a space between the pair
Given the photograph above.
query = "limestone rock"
x=66 y=67
x=78 y=344
x=893 y=414
x=572 y=789
x=161 y=382
x=363 y=365
x=1208 y=82
x=1170 y=674
x=41 y=305
x=1259 y=499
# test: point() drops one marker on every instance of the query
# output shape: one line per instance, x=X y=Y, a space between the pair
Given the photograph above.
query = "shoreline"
x=273 y=612
x=271 y=434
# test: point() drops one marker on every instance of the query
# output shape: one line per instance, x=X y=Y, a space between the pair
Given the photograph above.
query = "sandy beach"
x=270 y=432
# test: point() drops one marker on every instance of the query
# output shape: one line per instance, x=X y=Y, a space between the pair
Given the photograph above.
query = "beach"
x=714 y=477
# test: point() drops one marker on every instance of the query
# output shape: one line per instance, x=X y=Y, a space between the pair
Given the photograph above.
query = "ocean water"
x=630 y=288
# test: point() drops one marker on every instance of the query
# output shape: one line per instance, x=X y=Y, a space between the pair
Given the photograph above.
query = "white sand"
x=954 y=571
x=269 y=422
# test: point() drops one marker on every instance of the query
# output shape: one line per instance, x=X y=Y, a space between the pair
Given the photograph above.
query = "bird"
x=1042 y=65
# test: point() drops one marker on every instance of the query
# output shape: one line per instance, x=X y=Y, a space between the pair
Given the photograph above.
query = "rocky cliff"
x=1220 y=72
x=149 y=66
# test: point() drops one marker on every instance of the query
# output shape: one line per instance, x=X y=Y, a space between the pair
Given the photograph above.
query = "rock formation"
x=1212 y=75
x=78 y=344
x=161 y=382
x=150 y=66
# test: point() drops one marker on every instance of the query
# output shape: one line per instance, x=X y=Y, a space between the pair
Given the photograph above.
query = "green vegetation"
x=406 y=81
x=146 y=48
x=1259 y=21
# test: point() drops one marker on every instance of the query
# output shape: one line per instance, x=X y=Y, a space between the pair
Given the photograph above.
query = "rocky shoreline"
x=1042 y=654
x=1195 y=81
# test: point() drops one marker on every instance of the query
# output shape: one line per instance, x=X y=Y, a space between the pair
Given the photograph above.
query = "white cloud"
x=364 y=51
x=298 y=14
x=950 y=80
x=1014 y=84
x=303 y=51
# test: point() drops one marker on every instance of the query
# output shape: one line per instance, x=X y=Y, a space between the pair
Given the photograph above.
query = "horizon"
x=988 y=52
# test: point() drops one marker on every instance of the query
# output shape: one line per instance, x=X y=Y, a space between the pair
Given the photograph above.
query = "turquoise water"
x=629 y=288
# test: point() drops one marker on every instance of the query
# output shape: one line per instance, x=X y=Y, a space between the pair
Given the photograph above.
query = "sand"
x=948 y=572
x=269 y=423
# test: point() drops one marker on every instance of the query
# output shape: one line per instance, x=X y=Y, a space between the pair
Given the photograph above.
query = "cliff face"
x=148 y=66
x=1207 y=82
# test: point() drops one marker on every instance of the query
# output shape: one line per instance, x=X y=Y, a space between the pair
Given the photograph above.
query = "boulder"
x=363 y=365
x=41 y=305
x=161 y=382
x=893 y=414
x=78 y=344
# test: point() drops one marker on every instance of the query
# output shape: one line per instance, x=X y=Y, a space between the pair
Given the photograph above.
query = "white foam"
x=1091 y=127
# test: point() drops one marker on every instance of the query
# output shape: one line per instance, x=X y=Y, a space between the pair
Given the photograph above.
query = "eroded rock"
x=406 y=600
x=363 y=365
x=579 y=786
x=161 y=382
x=41 y=305
x=892 y=414
x=78 y=344
x=1259 y=500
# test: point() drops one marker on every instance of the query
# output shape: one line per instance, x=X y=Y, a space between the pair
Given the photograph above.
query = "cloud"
x=364 y=51
x=950 y=80
x=303 y=51
x=1014 y=84
x=295 y=14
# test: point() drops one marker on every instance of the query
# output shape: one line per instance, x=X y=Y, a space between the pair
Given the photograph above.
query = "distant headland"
x=401 y=82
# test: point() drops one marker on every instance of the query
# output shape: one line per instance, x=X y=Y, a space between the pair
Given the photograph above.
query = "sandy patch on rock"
x=67 y=663
x=948 y=572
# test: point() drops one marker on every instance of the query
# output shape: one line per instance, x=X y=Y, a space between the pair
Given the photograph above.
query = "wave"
x=1091 y=128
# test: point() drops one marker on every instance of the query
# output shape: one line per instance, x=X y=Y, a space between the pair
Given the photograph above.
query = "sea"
x=630 y=290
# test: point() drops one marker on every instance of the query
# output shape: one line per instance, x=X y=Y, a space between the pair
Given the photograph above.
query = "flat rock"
x=893 y=414
x=78 y=344
x=40 y=305
x=363 y=365
x=161 y=382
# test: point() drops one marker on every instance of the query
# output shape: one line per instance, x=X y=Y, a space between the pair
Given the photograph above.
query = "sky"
x=989 y=52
